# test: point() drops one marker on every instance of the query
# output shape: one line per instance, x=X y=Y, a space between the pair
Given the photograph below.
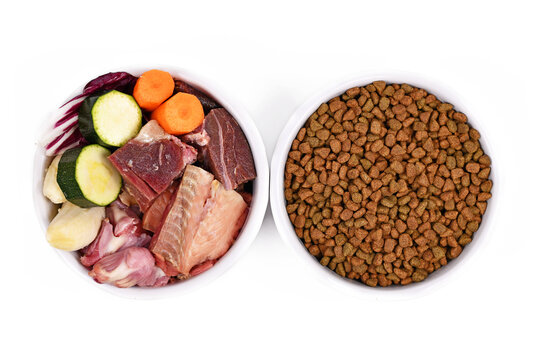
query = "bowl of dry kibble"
x=381 y=185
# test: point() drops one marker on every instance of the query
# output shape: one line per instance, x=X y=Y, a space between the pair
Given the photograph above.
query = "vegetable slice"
x=153 y=88
x=65 y=134
x=121 y=81
x=181 y=114
x=87 y=177
x=110 y=119
x=73 y=227
x=51 y=190
x=206 y=100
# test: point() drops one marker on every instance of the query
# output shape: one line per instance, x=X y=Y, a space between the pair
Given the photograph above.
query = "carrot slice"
x=153 y=88
x=181 y=114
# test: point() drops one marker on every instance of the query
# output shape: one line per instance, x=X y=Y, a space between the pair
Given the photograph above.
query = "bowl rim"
x=248 y=233
x=436 y=279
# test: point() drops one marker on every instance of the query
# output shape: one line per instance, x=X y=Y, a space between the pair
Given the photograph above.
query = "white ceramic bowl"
x=46 y=210
x=286 y=230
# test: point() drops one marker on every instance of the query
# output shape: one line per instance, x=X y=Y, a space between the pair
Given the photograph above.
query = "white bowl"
x=46 y=210
x=286 y=230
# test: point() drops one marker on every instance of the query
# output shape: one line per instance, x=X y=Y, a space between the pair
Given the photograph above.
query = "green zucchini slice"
x=110 y=119
x=87 y=177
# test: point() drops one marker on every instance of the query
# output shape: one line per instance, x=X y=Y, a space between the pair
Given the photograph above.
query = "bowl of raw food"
x=142 y=157
x=380 y=185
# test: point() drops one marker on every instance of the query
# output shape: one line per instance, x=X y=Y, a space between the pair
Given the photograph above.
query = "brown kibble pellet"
x=439 y=228
x=418 y=153
x=399 y=109
x=385 y=184
x=333 y=179
x=380 y=86
x=405 y=240
x=473 y=168
x=323 y=134
x=346 y=214
x=314 y=250
x=419 y=275
x=438 y=252
x=299 y=221
x=402 y=274
x=335 y=145
x=376 y=127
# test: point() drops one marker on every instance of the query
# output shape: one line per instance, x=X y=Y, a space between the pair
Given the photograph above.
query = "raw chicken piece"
x=120 y=230
x=151 y=161
x=182 y=219
x=156 y=279
x=128 y=267
x=226 y=213
x=199 y=269
x=152 y=217
x=201 y=224
x=123 y=218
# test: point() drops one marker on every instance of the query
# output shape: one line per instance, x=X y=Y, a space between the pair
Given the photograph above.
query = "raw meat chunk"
x=199 y=269
x=120 y=230
x=156 y=278
x=198 y=137
x=128 y=267
x=152 y=217
x=151 y=161
x=225 y=215
x=224 y=149
x=201 y=224
x=182 y=219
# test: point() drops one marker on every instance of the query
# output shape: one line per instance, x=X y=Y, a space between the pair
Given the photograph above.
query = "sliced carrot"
x=181 y=114
x=153 y=88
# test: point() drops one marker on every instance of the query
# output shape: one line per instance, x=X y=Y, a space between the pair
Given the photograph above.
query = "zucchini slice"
x=87 y=177
x=110 y=119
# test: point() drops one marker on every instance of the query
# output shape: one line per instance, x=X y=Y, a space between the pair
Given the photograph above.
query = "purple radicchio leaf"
x=121 y=81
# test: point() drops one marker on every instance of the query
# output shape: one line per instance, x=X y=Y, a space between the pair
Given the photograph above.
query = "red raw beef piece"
x=151 y=161
x=224 y=149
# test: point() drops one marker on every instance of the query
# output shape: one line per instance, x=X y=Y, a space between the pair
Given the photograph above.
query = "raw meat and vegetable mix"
x=153 y=178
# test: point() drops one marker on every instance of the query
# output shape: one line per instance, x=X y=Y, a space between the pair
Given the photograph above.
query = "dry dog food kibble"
x=385 y=183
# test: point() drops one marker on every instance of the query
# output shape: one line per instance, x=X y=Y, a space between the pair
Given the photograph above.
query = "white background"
x=272 y=56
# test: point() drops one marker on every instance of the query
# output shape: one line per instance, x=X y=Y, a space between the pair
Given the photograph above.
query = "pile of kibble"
x=385 y=184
